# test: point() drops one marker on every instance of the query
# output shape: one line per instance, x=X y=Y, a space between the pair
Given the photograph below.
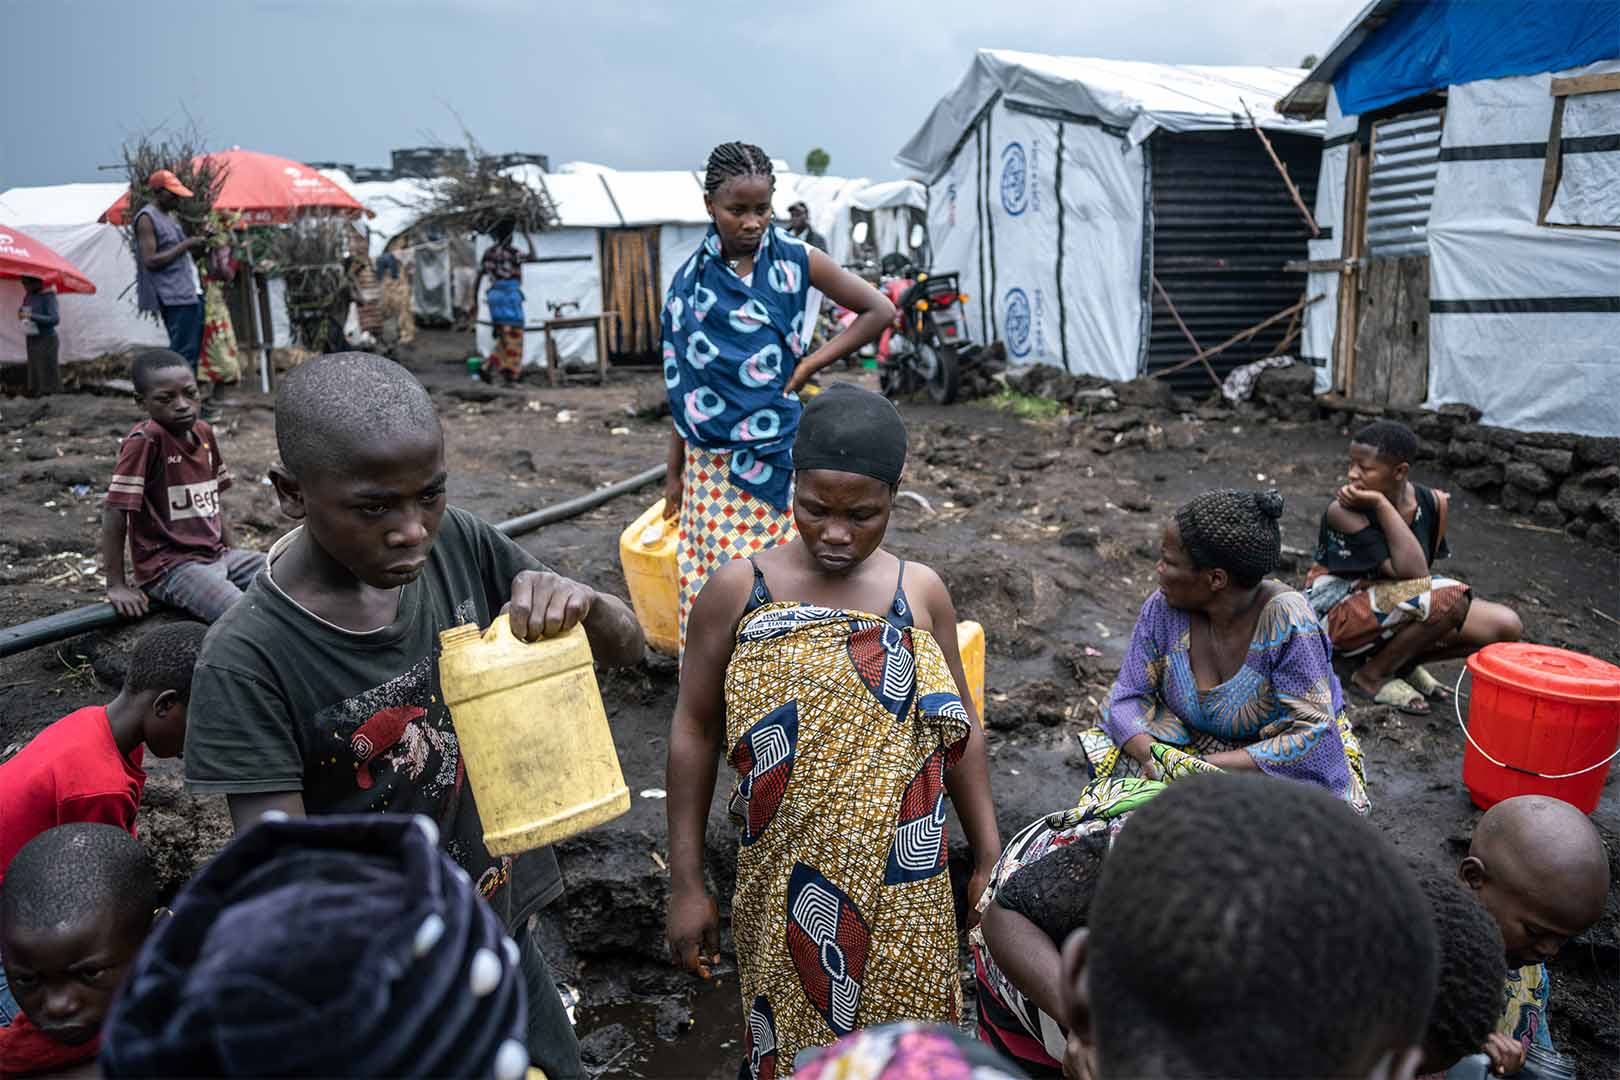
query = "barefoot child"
x=1372 y=581
x=164 y=497
x=76 y=906
x=320 y=693
x=1540 y=868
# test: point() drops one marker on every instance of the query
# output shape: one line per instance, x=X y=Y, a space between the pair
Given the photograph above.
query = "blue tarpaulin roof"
x=1424 y=45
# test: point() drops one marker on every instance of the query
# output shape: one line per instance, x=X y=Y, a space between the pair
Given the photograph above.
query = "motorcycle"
x=927 y=346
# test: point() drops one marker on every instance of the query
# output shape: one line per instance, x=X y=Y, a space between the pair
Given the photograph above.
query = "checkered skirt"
x=720 y=521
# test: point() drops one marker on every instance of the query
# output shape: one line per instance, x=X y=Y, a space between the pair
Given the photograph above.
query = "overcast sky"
x=632 y=85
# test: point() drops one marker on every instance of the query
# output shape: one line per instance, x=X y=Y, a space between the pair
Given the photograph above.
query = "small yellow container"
x=533 y=733
x=970 y=643
x=647 y=551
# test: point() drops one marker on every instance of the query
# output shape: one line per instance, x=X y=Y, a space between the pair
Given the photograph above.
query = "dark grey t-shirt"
x=285 y=701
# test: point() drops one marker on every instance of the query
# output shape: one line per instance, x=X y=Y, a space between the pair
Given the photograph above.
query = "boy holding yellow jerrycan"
x=321 y=691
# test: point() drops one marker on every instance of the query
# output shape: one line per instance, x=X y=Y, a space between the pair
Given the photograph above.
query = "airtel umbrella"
x=264 y=190
x=22 y=256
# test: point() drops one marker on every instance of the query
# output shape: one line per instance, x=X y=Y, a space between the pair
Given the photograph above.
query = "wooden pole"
x=1293 y=192
x=1241 y=335
x=1188 y=334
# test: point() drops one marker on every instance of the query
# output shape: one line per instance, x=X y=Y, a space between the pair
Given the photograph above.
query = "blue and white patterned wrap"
x=729 y=349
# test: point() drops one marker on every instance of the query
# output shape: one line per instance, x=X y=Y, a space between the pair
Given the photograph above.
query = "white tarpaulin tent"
x=63 y=217
x=1042 y=188
x=1524 y=314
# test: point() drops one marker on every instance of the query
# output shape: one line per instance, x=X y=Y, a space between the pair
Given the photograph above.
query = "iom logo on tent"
x=1014 y=179
x=1016 y=321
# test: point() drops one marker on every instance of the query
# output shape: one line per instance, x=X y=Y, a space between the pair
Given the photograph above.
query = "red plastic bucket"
x=1541 y=721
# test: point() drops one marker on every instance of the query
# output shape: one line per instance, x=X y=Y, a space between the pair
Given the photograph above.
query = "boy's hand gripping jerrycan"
x=533 y=733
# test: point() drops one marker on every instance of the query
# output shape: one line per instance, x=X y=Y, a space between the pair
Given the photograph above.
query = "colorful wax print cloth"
x=1524 y=1000
x=1284 y=705
x=730 y=345
x=842 y=726
x=218 y=360
x=1008 y=1020
x=720 y=521
x=906 y=1051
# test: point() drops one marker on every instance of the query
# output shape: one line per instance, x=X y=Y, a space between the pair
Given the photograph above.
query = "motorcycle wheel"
x=937 y=364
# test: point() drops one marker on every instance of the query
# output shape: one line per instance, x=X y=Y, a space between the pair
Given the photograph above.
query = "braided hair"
x=1235 y=531
x=728 y=161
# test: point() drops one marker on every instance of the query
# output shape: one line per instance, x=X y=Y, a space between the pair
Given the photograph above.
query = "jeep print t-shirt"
x=170 y=488
x=284 y=701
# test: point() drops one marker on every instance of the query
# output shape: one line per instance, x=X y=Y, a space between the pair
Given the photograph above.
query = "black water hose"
x=67 y=624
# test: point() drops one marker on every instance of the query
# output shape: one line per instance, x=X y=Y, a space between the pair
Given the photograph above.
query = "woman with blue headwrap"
x=734 y=337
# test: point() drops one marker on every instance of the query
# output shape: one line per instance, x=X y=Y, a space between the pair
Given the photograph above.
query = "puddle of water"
x=711 y=1048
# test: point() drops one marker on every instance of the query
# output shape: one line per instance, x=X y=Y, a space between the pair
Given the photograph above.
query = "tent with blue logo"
x=1470 y=178
x=1115 y=217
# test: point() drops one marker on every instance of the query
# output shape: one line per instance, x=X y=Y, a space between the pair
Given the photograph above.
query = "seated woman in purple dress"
x=1226 y=669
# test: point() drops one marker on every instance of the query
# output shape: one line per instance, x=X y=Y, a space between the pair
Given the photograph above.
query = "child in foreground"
x=1205 y=904
x=338 y=946
x=1541 y=870
x=319 y=694
x=164 y=497
x=77 y=904
x=1469 y=998
x=87 y=765
x=1373 y=582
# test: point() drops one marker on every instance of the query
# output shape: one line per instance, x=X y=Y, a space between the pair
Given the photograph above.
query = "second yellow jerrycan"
x=647 y=551
x=533 y=733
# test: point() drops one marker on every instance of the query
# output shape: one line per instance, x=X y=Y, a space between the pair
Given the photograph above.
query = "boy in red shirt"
x=164 y=497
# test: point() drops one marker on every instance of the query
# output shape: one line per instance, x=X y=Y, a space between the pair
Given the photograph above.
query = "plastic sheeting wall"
x=105 y=322
x=1316 y=340
x=1005 y=209
x=1524 y=318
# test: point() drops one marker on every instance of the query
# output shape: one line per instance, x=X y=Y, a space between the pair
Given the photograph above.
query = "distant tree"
x=816 y=162
x=1310 y=61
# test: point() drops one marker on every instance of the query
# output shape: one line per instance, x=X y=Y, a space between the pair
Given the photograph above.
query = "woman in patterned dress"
x=734 y=337
x=1228 y=670
x=827 y=669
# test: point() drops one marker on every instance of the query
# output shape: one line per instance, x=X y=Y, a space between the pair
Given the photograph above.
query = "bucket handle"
x=1456 y=703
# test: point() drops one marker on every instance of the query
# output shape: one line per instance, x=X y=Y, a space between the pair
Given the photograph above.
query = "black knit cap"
x=847 y=429
x=333 y=946
x=1234 y=530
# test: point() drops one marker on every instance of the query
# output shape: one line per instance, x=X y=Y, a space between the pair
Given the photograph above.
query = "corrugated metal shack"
x=1122 y=218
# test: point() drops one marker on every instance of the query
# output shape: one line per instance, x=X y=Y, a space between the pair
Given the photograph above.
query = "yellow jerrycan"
x=647 y=552
x=533 y=733
x=970 y=643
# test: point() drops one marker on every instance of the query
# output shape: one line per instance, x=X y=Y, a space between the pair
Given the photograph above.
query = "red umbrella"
x=265 y=190
x=22 y=256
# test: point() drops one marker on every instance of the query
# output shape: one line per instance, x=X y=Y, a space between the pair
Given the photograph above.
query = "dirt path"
x=1044 y=539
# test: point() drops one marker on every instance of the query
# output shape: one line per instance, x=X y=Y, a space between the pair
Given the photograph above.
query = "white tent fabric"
x=1512 y=335
x=395 y=204
x=104 y=322
x=1132 y=96
x=59 y=204
x=1522 y=319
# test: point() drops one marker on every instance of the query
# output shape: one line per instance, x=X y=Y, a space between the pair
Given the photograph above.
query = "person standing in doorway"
x=166 y=278
x=504 y=267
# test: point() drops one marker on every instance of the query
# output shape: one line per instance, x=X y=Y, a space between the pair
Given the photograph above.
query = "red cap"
x=164 y=180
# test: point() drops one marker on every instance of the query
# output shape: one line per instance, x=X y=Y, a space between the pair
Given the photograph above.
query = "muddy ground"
x=1044 y=532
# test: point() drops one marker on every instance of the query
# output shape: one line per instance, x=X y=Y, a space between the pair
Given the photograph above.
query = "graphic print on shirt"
x=394 y=734
x=199 y=500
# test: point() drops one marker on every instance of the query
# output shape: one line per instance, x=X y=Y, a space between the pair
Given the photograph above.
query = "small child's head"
x=76 y=904
x=1381 y=456
x=1236 y=889
x=159 y=684
x=327 y=946
x=1541 y=870
x=362 y=464
x=737 y=189
x=166 y=387
x=1469 y=1000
